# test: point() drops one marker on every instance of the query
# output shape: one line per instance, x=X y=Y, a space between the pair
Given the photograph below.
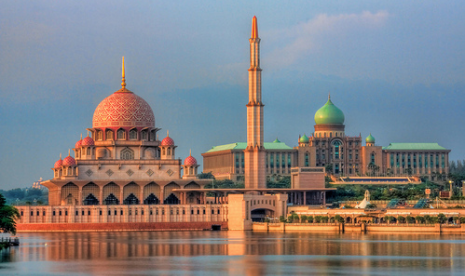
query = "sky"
x=395 y=68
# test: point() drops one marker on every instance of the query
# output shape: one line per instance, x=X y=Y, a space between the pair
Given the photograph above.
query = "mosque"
x=123 y=176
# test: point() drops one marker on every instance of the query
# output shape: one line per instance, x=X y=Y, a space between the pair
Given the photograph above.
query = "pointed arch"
x=151 y=188
x=110 y=194
x=127 y=154
x=169 y=193
x=90 y=191
x=69 y=194
x=131 y=188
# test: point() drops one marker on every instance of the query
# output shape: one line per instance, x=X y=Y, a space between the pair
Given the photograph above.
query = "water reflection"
x=234 y=253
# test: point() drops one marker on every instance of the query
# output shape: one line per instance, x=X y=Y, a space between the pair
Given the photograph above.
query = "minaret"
x=254 y=154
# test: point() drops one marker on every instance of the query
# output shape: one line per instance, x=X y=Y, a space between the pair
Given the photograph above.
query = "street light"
x=450 y=188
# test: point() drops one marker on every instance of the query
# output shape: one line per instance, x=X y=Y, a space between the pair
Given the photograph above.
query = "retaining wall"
x=117 y=227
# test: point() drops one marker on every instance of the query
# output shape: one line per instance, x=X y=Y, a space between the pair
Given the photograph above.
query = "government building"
x=329 y=145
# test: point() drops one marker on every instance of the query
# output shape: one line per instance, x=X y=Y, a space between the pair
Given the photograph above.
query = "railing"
x=10 y=241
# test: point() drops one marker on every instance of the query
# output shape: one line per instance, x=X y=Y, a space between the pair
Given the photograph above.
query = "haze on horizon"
x=395 y=68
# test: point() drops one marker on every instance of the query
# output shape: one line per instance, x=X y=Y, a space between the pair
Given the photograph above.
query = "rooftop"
x=414 y=146
x=276 y=145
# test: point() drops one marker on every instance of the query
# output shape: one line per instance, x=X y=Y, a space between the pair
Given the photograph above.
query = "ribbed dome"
x=370 y=139
x=167 y=141
x=190 y=161
x=58 y=164
x=123 y=109
x=88 y=141
x=329 y=114
x=69 y=161
x=304 y=139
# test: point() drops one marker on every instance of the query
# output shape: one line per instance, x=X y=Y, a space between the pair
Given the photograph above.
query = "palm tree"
x=8 y=214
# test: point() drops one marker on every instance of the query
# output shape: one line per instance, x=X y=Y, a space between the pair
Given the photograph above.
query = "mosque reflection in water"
x=241 y=252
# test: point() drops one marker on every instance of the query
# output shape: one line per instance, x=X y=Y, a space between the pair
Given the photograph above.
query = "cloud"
x=312 y=35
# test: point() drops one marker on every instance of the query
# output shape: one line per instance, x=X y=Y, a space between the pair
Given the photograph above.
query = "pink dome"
x=123 y=109
x=88 y=141
x=78 y=144
x=167 y=141
x=58 y=164
x=190 y=161
x=69 y=161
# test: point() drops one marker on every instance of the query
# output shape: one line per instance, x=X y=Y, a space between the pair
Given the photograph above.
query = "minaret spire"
x=254 y=27
x=123 y=81
x=254 y=154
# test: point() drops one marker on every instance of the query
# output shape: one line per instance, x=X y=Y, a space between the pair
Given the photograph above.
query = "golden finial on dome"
x=81 y=136
x=329 y=95
x=60 y=156
x=123 y=81
x=190 y=152
x=69 y=152
x=167 y=133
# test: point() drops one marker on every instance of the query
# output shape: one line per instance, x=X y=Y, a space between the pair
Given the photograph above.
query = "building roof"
x=414 y=146
x=276 y=145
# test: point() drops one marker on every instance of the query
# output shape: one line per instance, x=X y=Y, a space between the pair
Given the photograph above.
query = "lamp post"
x=450 y=188
x=463 y=187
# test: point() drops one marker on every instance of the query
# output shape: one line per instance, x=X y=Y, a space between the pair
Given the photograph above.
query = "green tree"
x=339 y=219
x=410 y=219
x=324 y=219
x=401 y=219
x=462 y=220
x=207 y=175
x=303 y=218
x=8 y=215
x=442 y=218
x=282 y=219
x=420 y=219
x=310 y=219
x=317 y=219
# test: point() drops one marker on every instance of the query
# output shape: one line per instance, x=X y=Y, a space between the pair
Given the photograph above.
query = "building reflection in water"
x=243 y=253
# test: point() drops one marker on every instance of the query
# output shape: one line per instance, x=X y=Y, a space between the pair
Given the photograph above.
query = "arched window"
x=109 y=135
x=88 y=151
x=133 y=134
x=373 y=157
x=143 y=135
x=127 y=154
x=169 y=151
x=336 y=148
x=121 y=134
x=99 y=135
x=163 y=151
x=307 y=163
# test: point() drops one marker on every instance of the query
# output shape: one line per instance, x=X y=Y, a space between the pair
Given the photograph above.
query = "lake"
x=234 y=253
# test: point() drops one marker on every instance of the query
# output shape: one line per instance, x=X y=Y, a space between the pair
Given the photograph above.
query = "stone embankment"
x=119 y=227
x=362 y=227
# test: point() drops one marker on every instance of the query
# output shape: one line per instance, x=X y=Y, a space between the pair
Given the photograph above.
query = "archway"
x=131 y=199
x=171 y=197
x=111 y=199
x=69 y=194
x=90 y=194
x=261 y=214
x=111 y=191
x=151 y=200
x=90 y=200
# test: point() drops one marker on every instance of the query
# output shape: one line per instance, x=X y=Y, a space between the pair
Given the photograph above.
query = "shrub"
x=282 y=219
x=303 y=218
x=310 y=219
x=290 y=219
x=317 y=219
x=295 y=218
x=420 y=219
x=401 y=219
x=410 y=219
x=324 y=219
x=371 y=206
x=339 y=219
x=442 y=218
x=462 y=220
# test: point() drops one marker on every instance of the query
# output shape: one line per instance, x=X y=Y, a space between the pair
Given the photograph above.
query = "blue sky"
x=395 y=68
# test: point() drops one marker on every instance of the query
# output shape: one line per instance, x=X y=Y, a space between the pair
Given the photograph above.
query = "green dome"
x=304 y=139
x=329 y=114
x=276 y=141
x=370 y=139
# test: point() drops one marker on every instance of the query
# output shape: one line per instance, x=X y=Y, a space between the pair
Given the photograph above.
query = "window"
x=289 y=160
x=109 y=135
x=121 y=134
x=271 y=160
x=133 y=134
x=306 y=161
x=100 y=135
x=127 y=154
x=143 y=135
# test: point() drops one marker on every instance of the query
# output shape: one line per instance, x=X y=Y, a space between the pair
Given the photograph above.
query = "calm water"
x=234 y=253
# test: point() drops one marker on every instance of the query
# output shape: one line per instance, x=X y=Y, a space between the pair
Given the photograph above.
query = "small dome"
x=58 y=164
x=78 y=144
x=329 y=114
x=370 y=139
x=190 y=161
x=167 y=141
x=88 y=141
x=69 y=161
x=276 y=141
x=304 y=139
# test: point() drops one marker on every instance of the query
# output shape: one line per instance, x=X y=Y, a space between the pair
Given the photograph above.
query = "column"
x=100 y=195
